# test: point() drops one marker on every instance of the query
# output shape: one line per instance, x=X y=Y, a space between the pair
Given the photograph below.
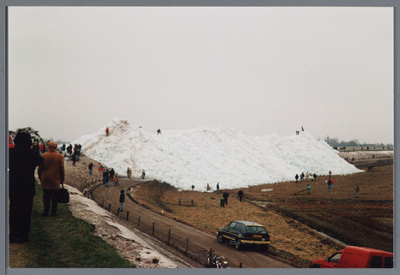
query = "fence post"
x=127 y=216
x=138 y=223
x=169 y=236
x=118 y=212
x=187 y=245
x=153 y=228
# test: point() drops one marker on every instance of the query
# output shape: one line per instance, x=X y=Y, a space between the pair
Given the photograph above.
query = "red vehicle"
x=356 y=257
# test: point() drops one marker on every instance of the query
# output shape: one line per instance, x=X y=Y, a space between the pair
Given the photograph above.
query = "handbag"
x=63 y=195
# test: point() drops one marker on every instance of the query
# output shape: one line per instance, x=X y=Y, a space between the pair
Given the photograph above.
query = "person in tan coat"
x=51 y=174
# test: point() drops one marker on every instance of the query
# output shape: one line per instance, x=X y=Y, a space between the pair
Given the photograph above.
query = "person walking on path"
x=357 y=191
x=116 y=180
x=240 y=194
x=225 y=195
x=329 y=183
x=122 y=200
x=315 y=177
x=112 y=173
x=218 y=188
x=101 y=170
x=308 y=189
x=51 y=174
x=302 y=176
x=106 y=177
x=129 y=172
x=330 y=174
x=107 y=131
x=297 y=178
x=74 y=159
x=332 y=183
x=90 y=168
x=22 y=165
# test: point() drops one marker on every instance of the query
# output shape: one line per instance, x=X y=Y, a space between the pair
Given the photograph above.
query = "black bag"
x=63 y=195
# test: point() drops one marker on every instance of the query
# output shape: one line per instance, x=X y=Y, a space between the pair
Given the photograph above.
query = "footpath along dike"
x=182 y=240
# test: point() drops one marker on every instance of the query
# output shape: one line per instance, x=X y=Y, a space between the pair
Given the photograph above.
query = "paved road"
x=198 y=240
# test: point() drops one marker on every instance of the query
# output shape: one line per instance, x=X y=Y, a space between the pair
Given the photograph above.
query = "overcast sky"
x=260 y=70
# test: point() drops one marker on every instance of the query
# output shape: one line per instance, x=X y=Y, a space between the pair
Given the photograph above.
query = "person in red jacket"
x=107 y=131
x=51 y=174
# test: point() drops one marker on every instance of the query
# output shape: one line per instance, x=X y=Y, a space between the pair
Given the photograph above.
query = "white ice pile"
x=204 y=155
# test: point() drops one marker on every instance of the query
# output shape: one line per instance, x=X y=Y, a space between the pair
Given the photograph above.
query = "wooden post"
x=153 y=228
x=169 y=236
x=187 y=245
x=109 y=206
x=118 y=212
x=127 y=216
x=138 y=223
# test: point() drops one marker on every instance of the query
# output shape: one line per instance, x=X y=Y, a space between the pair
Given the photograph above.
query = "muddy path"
x=182 y=239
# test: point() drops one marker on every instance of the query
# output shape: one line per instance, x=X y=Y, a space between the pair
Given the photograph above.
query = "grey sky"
x=260 y=70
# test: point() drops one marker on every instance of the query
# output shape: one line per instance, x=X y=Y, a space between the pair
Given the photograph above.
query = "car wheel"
x=220 y=239
x=238 y=244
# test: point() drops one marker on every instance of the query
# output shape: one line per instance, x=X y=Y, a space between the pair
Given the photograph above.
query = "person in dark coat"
x=90 y=168
x=112 y=173
x=240 y=194
x=122 y=200
x=22 y=164
x=315 y=177
x=225 y=195
x=297 y=177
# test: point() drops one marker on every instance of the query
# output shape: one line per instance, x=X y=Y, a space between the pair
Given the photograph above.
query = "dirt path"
x=183 y=237
x=198 y=240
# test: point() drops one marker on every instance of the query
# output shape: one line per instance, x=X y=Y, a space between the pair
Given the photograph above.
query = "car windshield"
x=255 y=229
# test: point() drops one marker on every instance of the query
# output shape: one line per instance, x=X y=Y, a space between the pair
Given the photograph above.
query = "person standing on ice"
x=302 y=176
x=107 y=131
x=218 y=188
x=315 y=177
x=158 y=132
x=128 y=172
x=122 y=200
x=330 y=174
x=297 y=178
x=143 y=174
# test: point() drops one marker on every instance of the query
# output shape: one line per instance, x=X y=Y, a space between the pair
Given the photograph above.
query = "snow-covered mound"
x=210 y=155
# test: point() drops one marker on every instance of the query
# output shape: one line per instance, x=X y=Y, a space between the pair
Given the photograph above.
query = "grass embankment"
x=63 y=242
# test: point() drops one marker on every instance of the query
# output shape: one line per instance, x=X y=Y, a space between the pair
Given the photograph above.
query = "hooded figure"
x=51 y=174
x=22 y=165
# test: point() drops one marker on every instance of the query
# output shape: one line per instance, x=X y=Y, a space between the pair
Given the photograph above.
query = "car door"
x=332 y=261
x=231 y=231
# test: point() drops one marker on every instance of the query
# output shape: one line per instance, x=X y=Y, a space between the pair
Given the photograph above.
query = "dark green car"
x=242 y=233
